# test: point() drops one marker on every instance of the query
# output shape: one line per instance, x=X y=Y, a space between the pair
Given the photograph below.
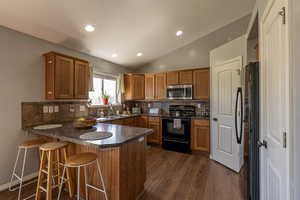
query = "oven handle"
x=178 y=141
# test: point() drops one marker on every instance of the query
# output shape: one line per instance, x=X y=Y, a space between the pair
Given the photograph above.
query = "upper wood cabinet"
x=173 y=78
x=186 y=77
x=66 y=77
x=201 y=83
x=160 y=85
x=82 y=76
x=149 y=86
x=134 y=85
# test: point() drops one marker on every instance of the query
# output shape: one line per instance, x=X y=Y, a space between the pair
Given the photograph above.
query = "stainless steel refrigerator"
x=252 y=128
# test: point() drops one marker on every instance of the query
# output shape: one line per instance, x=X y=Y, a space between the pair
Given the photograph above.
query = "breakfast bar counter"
x=121 y=154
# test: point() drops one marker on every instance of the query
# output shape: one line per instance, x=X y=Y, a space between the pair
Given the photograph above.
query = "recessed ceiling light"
x=179 y=33
x=114 y=55
x=139 y=54
x=89 y=28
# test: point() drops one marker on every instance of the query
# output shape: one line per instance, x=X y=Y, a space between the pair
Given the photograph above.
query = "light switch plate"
x=199 y=105
x=56 y=109
x=81 y=108
x=51 y=109
x=72 y=108
x=45 y=109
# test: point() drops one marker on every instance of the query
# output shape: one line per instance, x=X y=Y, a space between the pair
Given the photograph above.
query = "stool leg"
x=22 y=173
x=86 y=182
x=70 y=183
x=38 y=193
x=58 y=167
x=78 y=183
x=49 y=178
x=14 y=172
x=61 y=183
x=103 y=184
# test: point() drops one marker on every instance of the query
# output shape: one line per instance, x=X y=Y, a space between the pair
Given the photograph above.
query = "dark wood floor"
x=172 y=176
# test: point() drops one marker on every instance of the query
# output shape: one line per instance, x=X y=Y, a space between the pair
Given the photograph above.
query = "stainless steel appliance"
x=252 y=129
x=180 y=92
x=176 y=128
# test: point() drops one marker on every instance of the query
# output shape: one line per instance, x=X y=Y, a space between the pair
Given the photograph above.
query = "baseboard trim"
x=25 y=178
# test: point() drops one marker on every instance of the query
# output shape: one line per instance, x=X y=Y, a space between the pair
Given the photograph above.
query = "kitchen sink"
x=97 y=135
x=47 y=126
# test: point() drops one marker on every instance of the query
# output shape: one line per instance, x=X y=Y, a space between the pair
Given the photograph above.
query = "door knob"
x=262 y=144
x=215 y=119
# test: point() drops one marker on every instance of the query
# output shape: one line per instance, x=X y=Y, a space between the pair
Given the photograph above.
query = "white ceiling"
x=125 y=27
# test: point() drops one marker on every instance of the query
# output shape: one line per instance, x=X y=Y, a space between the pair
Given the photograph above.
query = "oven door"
x=172 y=132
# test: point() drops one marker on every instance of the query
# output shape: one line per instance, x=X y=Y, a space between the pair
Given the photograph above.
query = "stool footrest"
x=95 y=188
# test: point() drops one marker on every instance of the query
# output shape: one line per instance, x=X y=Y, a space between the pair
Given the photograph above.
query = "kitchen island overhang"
x=122 y=157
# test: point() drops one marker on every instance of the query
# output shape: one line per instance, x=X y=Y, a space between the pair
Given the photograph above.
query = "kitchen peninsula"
x=122 y=156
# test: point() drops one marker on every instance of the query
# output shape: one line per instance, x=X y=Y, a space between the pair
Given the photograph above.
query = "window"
x=103 y=85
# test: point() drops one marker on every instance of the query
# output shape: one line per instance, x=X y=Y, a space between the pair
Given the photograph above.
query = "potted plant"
x=105 y=98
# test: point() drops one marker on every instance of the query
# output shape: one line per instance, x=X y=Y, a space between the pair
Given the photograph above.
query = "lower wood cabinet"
x=155 y=137
x=200 y=135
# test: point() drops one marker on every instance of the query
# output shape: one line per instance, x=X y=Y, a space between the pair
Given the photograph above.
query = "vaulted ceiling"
x=123 y=27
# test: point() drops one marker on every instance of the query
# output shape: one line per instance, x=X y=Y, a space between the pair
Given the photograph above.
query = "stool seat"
x=32 y=143
x=81 y=159
x=51 y=146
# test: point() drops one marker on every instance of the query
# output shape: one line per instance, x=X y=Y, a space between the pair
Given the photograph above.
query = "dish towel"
x=177 y=123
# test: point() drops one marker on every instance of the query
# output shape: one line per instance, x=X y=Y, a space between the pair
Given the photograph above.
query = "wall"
x=196 y=54
x=22 y=79
x=296 y=73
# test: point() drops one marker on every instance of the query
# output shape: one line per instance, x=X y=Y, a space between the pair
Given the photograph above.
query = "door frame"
x=212 y=142
x=290 y=104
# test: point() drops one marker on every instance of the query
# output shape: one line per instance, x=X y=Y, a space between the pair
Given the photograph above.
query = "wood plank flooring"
x=177 y=176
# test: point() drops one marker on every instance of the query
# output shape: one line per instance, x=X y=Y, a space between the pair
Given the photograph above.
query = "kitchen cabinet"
x=129 y=121
x=154 y=123
x=200 y=135
x=201 y=83
x=142 y=122
x=66 y=77
x=186 y=77
x=150 y=86
x=82 y=78
x=134 y=85
x=160 y=85
x=173 y=78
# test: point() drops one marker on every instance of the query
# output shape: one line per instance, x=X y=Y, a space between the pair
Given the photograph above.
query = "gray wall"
x=196 y=54
x=22 y=79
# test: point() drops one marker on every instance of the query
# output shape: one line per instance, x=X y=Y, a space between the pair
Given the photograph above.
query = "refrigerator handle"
x=239 y=137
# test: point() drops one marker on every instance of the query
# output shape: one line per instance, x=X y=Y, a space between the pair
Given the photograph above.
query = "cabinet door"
x=129 y=121
x=142 y=122
x=186 y=77
x=201 y=138
x=128 y=87
x=172 y=78
x=160 y=86
x=138 y=87
x=50 y=74
x=82 y=75
x=149 y=86
x=155 y=136
x=201 y=84
x=64 y=78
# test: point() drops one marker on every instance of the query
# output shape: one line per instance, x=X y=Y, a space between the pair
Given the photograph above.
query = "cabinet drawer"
x=154 y=120
x=201 y=122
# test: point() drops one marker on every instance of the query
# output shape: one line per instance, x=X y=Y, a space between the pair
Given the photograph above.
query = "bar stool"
x=28 y=145
x=46 y=168
x=83 y=160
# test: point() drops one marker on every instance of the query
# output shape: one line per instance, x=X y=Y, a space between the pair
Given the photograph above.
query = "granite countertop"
x=120 y=134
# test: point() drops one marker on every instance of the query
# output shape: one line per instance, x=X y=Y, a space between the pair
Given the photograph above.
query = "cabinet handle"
x=49 y=92
x=50 y=62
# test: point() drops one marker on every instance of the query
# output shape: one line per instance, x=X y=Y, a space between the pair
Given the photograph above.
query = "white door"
x=275 y=102
x=225 y=82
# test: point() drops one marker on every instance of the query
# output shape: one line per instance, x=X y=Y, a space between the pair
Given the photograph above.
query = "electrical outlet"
x=72 y=108
x=149 y=105
x=56 y=109
x=199 y=105
x=51 y=109
x=81 y=108
x=45 y=109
